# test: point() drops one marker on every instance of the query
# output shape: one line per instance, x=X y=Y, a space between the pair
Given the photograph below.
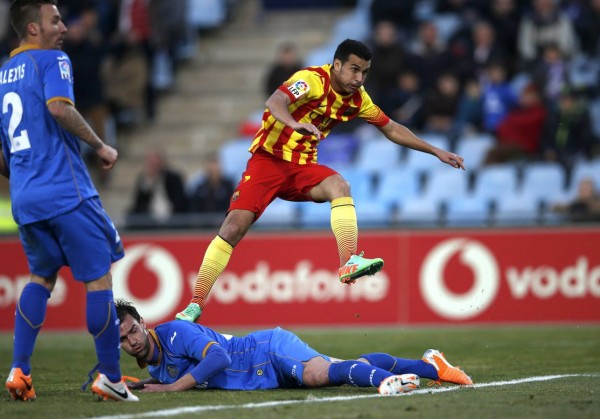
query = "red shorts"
x=268 y=177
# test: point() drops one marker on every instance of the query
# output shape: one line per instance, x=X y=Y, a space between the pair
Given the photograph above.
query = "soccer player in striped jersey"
x=55 y=204
x=183 y=355
x=283 y=164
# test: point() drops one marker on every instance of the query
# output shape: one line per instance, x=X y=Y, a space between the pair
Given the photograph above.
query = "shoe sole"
x=372 y=269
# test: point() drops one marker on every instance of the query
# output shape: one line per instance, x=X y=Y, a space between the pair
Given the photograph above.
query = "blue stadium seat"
x=544 y=181
x=313 y=215
x=233 y=156
x=361 y=183
x=474 y=149
x=396 y=186
x=337 y=150
x=446 y=183
x=496 y=180
x=471 y=210
x=279 y=214
x=378 y=156
x=421 y=210
x=516 y=209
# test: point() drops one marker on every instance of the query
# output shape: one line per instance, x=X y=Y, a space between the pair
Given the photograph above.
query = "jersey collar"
x=22 y=48
x=155 y=361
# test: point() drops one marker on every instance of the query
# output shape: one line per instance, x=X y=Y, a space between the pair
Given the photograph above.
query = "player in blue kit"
x=54 y=202
x=182 y=355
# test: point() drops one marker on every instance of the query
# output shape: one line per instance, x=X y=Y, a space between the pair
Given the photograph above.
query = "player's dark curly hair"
x=124 y=308
x=23 y=12
x=351 y=46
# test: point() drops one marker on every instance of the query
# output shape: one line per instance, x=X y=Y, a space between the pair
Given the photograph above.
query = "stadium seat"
x=495 y=180
x=544 y=181
x=337 y=150
x=397 y=185
x=470 y=210
x=474 y=149
x=313 y=215
x=378 y=156
x=446 y=183
x=420 y=210
x=583 y=169
x=361 y=183
x=516 y=209
x=233 y=156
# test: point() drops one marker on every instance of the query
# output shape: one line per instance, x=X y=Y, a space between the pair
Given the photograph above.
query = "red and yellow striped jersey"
x=313 y=101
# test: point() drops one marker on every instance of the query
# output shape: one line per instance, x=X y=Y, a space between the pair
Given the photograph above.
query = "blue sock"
x=399 y=366
x=357 y=374
x=103 y=325
x=29 y=317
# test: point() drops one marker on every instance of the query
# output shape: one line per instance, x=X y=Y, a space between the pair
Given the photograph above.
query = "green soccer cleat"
x=358 y=266
x=190 y=314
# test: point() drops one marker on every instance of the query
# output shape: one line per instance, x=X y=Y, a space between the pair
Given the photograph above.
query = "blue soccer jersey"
x=47 y=174
x=260 y=360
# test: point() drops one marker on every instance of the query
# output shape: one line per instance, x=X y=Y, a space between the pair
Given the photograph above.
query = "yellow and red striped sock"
x=215 y=260
x=344 y=226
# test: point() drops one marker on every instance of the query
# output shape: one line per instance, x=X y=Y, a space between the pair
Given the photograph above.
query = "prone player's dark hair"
x=124 y=308
x=23 y=12
x=352 y=47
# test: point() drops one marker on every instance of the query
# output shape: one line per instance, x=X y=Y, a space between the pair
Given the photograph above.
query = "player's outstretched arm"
x=184 y=383
x=70 y=119
x=401 y=135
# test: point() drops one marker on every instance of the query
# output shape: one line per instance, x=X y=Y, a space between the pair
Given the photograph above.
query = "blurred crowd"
x=523 y=71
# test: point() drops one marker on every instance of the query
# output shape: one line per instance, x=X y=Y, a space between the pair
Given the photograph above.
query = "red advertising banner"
x=290 y=279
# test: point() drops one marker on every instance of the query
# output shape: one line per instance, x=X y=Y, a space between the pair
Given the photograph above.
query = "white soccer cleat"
x=107 y=390
x=397 y=384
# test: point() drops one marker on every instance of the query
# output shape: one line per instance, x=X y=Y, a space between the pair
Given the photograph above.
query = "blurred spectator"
x=429 y=56
x=519 y=134
x=389 y=59
x=125 y=76
x=545 y=24
x=214 y=192
x=159 y=190
x=400 y=13
x=497 y=95
x=404 y=101
x=441 y=104
x=7 y=223
x=568 y=132
x=586 y=205
x=504 y=16
x=286 y=63
x=587 y=26
x=550 y=73
x=469 y=116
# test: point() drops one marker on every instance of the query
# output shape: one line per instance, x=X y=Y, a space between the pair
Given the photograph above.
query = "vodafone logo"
x=433 y=283
x=165 y=268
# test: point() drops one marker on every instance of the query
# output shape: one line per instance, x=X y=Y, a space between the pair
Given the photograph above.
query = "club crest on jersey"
x=65 y=70
x=235 y=196
x=299 y=88
x=172 y=370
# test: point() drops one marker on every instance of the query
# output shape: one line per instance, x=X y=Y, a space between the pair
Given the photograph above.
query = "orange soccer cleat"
x=446 y=372
x=19 y=385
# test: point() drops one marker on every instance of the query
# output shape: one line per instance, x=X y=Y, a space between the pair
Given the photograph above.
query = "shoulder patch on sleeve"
x=299 y=88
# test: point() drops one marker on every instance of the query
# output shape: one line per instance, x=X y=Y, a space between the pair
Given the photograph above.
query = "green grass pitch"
x=491 y=355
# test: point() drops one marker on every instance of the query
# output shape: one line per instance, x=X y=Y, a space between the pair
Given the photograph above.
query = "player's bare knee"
x=236 y=225
x=316 y=372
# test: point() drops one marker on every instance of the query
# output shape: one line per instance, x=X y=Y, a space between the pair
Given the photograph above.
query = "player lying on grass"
x=182 y=355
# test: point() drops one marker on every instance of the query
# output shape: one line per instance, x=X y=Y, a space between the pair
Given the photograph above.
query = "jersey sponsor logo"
x=65 y=70
x=173 y=371
x=299 y=88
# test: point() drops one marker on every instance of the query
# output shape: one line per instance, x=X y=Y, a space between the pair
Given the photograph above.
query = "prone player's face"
x=134 y=337
x=349 y=76
x=52 y=29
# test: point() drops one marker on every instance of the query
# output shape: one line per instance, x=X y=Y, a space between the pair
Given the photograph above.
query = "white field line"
x=431 y=390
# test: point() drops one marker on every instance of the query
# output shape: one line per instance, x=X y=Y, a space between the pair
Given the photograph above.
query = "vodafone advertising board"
x=451 y=276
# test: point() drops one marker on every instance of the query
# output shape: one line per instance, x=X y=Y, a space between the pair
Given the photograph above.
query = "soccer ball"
x=397 y=384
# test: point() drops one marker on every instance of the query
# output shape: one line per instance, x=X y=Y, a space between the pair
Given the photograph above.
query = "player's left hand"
x=157 y=388
x=451 y=159
x=108 y=156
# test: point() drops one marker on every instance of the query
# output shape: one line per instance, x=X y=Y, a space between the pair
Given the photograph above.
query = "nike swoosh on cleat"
x=120 y=393
x=26 y=384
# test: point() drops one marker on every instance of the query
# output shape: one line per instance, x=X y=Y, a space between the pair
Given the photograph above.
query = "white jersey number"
x=19 y=142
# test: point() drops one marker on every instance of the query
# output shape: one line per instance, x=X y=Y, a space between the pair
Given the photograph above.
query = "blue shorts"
x=287 y=354
x=84 y=239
